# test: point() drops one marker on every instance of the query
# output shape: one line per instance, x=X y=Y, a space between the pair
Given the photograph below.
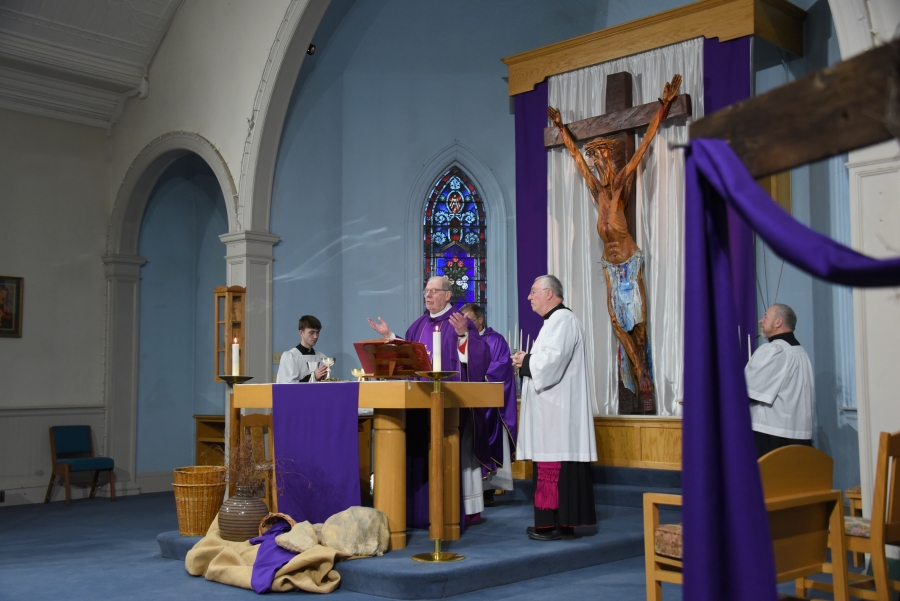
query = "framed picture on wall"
x=11 y=306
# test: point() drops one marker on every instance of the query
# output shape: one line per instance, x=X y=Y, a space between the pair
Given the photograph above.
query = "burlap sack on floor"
x=231 y=563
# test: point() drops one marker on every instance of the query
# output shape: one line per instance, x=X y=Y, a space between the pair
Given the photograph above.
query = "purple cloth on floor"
x=727 y=547
x=418 y=422
x=269 y=558
x=316 y=448
x=531 y=200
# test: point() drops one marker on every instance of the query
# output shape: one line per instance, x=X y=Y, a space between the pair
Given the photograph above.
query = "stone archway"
x=123 y=273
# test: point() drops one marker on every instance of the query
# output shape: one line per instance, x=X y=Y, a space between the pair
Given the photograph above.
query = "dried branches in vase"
x=247 y=466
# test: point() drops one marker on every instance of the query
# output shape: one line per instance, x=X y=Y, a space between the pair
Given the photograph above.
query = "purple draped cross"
x=531 y=200
x=727 y=547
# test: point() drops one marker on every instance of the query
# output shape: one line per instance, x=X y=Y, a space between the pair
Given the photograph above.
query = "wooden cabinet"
x=230 y=301
x=209 y=440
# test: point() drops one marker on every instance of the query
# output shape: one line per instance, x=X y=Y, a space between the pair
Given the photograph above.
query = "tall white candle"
x=235 y=358
x=436 y=348
x=528 y=344
x=521 y=348
x=513 y=341
x=749 y=349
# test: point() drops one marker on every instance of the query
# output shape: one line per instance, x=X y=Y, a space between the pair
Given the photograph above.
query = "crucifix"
x=612 y=187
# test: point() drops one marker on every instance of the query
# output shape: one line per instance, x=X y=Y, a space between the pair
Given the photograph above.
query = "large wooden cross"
x=620 y=122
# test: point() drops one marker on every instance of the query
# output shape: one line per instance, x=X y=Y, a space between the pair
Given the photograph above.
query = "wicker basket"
x=199 y=491
x=200 y=474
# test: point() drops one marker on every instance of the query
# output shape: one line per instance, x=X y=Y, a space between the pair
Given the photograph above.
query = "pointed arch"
x=455 y=237
x=500 y=217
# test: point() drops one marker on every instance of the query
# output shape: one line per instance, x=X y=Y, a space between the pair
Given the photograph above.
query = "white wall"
x=203 y=79
x=55 y=177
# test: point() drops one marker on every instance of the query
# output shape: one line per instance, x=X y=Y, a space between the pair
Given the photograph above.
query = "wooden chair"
x=72 y=450
x=803 y=512
x=254 y=427
x=871 y=535
x=854 y=497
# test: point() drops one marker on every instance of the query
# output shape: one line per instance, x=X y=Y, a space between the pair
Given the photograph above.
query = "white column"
x=123 y=277
x=249 y=264
x=875 y=228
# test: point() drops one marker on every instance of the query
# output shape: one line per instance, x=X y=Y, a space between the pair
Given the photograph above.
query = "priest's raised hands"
x=381 y=327
x=460 y=323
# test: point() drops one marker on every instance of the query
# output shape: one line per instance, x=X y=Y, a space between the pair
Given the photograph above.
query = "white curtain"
x=574 y=246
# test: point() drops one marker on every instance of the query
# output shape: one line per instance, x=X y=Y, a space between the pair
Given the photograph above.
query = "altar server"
x=556 y=429
x=303 y=363
x=489 y=434
x=462 y=350
x=780 y=384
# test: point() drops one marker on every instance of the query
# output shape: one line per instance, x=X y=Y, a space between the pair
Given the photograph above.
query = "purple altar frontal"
x=317 y=450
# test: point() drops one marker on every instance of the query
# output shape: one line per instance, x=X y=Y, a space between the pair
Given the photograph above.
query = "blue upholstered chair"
x=72 y=449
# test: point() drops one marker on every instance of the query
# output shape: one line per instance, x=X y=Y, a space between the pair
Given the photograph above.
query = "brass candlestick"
x=435 y=472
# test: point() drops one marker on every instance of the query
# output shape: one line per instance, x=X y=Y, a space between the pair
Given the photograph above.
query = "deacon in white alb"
x=556 y=425
x=296 y=363
x=780 y=384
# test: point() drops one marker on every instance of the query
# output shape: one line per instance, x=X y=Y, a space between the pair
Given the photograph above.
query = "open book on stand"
x=395 y=358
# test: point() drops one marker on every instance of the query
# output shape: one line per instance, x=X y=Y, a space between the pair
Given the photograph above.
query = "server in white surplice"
x=556 y=425
x=303 y=363
x=780 y=384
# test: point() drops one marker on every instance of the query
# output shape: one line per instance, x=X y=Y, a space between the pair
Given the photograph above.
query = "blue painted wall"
x=392 y=83
x=821 y=200
x=185 y=261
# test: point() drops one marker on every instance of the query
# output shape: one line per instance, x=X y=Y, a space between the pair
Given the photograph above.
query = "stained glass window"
x=455 y=237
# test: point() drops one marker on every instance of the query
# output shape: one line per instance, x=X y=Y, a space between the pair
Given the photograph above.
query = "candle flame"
x=235 y=339
x=437 y=328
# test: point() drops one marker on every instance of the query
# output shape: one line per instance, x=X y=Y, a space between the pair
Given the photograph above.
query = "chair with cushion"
x=803 y=512
x=72 y=450
x=871 y=535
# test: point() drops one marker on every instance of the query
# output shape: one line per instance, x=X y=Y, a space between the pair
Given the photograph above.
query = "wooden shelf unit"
x=229 y=326
x=209 y=440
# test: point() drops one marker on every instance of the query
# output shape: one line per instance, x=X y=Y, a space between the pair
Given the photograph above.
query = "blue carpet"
x=497 y=552
x=101 y=550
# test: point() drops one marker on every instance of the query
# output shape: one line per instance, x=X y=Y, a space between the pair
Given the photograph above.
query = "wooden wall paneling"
x=644 y=442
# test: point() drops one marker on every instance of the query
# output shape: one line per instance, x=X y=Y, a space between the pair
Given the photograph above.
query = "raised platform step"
x=625 y=495
x=634 y=476
x=622 y=486
x=497 y=552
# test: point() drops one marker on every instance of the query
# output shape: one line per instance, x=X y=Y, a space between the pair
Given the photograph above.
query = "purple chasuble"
x=418 y=430
x=316 y=448
x=491 y=424
x=727 y=547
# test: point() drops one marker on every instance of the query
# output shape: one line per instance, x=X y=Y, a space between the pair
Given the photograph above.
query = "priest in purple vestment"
x=462 y=350
x=489 y=434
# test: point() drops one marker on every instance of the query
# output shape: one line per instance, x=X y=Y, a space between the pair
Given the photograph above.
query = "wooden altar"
x=390 y=401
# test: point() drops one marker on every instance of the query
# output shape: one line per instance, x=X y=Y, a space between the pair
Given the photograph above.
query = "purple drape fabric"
x=727 y=548
x=269 y=557
x=491 y=424
x=727 y=79
x=531 y=199
x=806 y=249
x=316 y=448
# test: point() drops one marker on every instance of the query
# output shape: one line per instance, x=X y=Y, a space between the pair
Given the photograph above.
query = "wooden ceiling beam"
x=850 y=105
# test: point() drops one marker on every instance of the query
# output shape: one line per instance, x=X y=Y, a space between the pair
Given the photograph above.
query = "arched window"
x=455 y=237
